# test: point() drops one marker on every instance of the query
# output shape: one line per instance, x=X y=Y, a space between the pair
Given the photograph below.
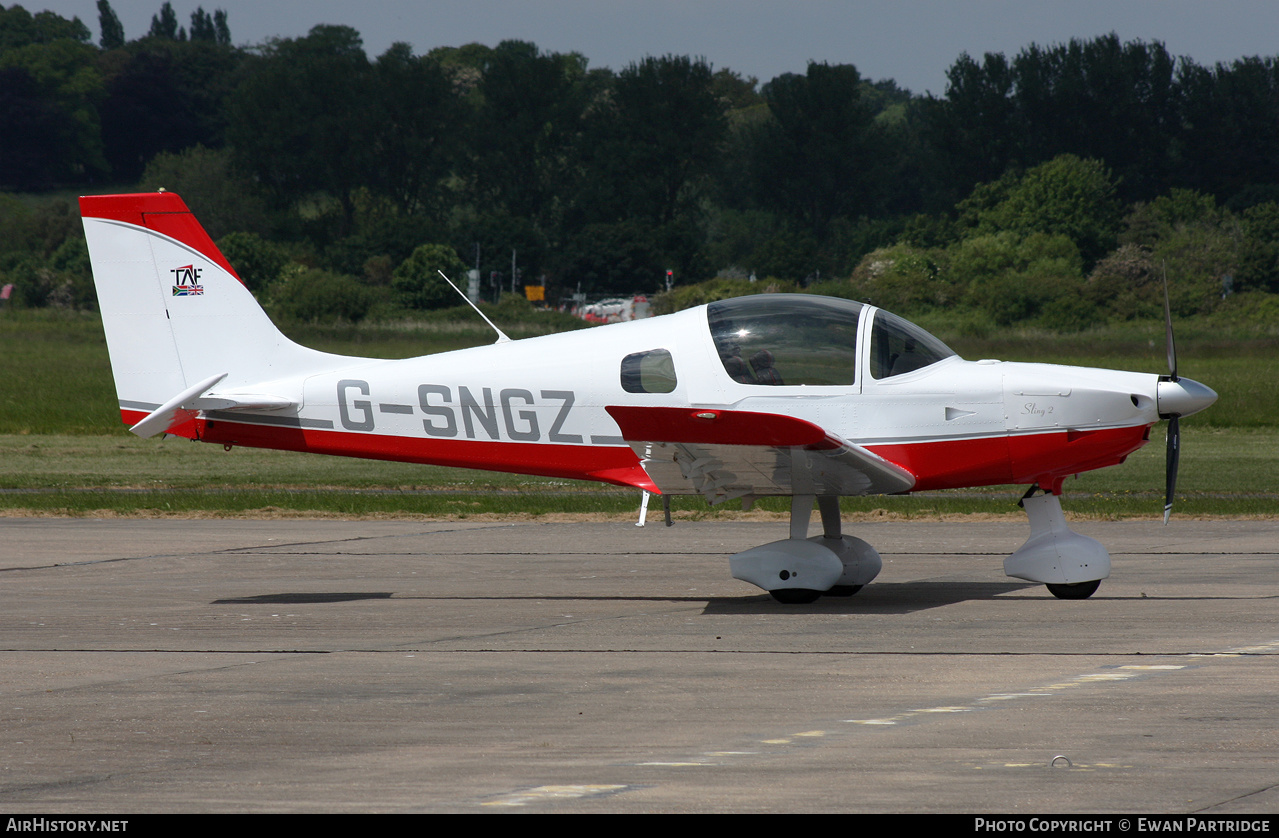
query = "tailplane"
x=183 y=331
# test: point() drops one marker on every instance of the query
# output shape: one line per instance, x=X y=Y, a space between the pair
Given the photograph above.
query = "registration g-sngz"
x=482 y=415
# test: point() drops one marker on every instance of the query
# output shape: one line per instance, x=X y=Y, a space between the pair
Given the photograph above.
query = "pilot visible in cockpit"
x=765 y=372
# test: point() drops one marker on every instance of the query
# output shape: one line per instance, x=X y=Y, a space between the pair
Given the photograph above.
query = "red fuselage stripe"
x=608 y=464
x=1043 y=458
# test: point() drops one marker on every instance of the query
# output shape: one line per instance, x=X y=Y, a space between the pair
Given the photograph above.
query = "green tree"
x=36 y=136
x=816 y=158
x=381 y=233
x=1015 y=278
x=112 y=31
x=257 y=261
x=165 y=96
x=202 y=28
x=38 y=232
x=1126 y=284
x=902 y=279
x=1259 y=257
x=972 y=128
x=312 y=295
x=619 y=257
x=1194 y=242
x=417 y=283
x=1066 y=196
x=56 y=92
x=300 y=122
x=165 y=25
x=418 y=132
x=224 y=200
x=665 y=119
x=527 y=125
x=736 y=92
x=1230 y=138
x=221 y=29
x=1101 y=98
x=19 y=28
x=1147 y=223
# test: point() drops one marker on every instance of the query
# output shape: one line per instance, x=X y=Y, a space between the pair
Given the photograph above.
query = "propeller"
x=1173 y=453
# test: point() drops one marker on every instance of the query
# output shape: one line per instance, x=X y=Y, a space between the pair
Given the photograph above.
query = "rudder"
x=174 y=310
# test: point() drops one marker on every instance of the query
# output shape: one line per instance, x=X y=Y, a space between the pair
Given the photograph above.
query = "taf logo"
x=187 y=281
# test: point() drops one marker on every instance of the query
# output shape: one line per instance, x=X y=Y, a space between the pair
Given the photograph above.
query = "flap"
x=724 y=454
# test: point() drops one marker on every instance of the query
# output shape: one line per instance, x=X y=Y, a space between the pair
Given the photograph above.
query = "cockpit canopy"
x=802 y=339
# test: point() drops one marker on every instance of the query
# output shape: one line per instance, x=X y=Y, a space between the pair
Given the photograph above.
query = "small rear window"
x=649 y=372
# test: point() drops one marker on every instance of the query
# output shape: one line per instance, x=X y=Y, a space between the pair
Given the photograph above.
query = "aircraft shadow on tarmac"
x=298 y=598
x=881 y=598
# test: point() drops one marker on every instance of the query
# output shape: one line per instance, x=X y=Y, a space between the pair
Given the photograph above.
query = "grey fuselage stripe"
x=258 y=419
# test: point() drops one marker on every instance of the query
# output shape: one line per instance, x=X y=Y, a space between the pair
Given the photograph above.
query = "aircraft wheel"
x=795 y=596
x=1080 y=590
x=843 y=590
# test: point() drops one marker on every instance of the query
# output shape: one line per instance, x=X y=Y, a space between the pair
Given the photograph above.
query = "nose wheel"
x=1080 y=590
x=1070 y=564
x=795 y=596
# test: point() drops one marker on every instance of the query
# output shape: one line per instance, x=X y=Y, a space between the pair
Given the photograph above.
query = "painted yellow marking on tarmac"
x=1253 y=650
x=1260 y=649
x=543 y=793
x=1116 y=674
x=1120 y=673
x=946 y=710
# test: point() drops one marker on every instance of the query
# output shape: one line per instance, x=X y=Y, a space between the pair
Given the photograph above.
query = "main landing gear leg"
x=800 y=569
x=861 y=562
x=1070 y=564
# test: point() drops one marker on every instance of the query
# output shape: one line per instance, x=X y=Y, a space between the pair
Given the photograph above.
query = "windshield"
x=780 y=339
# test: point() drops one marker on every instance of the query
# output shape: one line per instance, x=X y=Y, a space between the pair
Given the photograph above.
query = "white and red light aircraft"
x=783 y=395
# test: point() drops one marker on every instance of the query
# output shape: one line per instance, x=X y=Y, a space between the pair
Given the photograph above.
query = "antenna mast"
x=501 y=336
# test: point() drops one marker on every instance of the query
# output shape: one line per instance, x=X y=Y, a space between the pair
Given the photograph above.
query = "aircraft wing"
x=725 y=454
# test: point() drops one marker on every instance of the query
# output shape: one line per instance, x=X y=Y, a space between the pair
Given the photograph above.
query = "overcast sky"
x=911 y=41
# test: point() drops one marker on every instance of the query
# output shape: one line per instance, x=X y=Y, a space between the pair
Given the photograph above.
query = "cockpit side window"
x=899 y=346
x=781 y=339
x=649 y=372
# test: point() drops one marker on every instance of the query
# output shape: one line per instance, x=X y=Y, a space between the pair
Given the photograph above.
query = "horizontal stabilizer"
x=241 y=401
x=183 y=407
x=171 y=412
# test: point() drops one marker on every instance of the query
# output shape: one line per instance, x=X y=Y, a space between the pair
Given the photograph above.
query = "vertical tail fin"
x=175 y=312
